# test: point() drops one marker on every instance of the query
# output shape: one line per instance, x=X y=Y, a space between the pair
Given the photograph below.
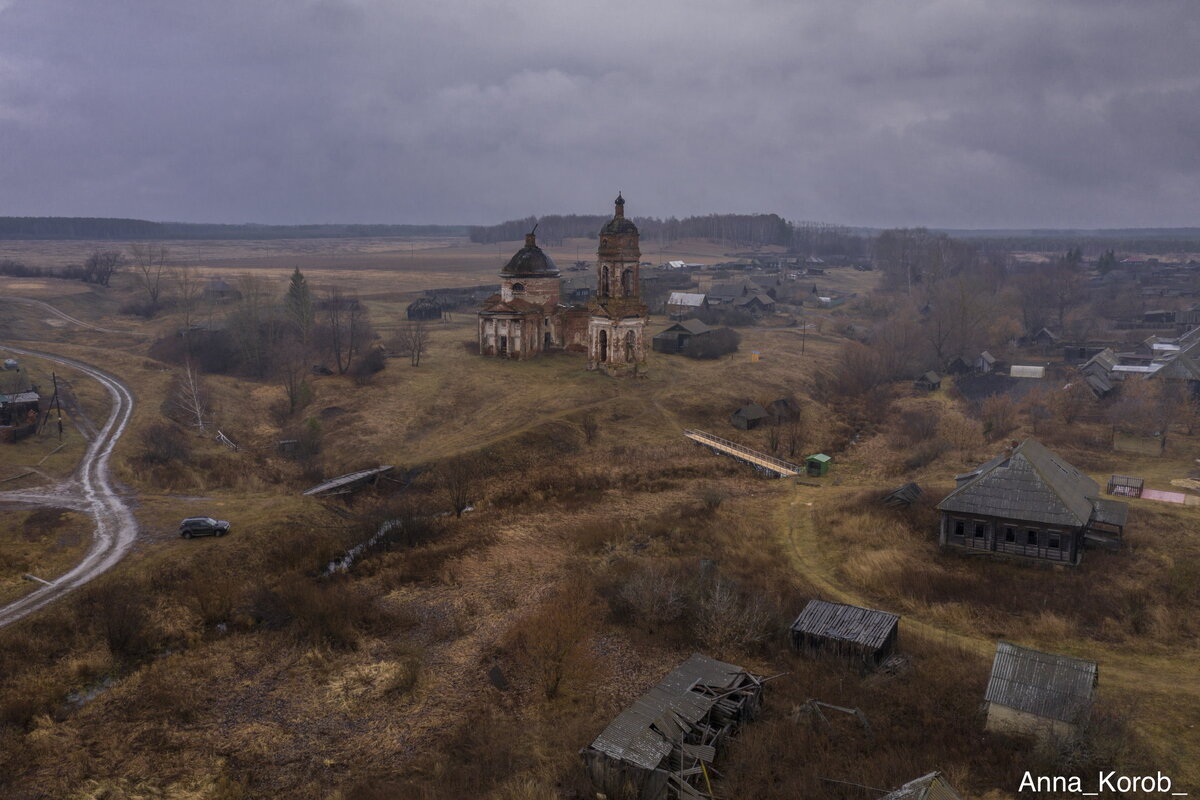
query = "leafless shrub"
x=551 y=641
x=654 y=596
x=999 y=415
x=163 y=443
x=589 y=426
x=727 y=620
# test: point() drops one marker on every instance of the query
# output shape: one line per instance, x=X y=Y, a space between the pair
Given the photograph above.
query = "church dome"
x=618 y=224
x=530 y=261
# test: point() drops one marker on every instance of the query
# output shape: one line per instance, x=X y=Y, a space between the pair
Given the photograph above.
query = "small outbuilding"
x=862 y=635
x=1031 y=692
x=817 y=465
x=958 y=366
x=749 y=417
x=933 y=786
x=662 y=746
x=902 y=496
x=424 y=308
x=675 y=338
x=985 y=363
x=928 y=382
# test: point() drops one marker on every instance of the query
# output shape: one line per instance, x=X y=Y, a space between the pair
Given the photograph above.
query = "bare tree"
x=191 y=397
x=459 y=479
x=253 y=325
x=150 y=268
x=101 y=265
x=189 y=288
x=290 y=358
x=413 y=339
x=590 y=427
x=774 y=436
x=795 y=437
x=349 y=329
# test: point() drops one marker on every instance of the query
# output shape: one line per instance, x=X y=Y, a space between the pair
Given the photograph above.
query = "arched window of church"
x=604 y=281
x=518 y=287
x=627 y=283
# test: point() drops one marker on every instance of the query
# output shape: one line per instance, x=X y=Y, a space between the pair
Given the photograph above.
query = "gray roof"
x=643 y=733
x=1046 y=684
x=864 y=626
x=752 y=411
x=1110 y=512
x=693 y=326
x=20 y=398
x=1030 y=484
x=685 y=299
x=933 y=786
x=987 y=357
x=930 y=377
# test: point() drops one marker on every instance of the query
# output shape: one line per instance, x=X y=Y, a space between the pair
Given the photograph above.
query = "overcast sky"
x=997 y=113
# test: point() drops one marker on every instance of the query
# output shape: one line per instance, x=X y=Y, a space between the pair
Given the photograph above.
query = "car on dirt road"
x=203 y=526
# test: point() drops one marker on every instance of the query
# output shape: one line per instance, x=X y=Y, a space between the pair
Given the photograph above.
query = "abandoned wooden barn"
x=675 y=338
x=1043 y=694
x=1028 y=502
x=928 y=382
x=857 y=634
x=663 y=745
x=933 y=786
x=903 y=496
x=748 y=417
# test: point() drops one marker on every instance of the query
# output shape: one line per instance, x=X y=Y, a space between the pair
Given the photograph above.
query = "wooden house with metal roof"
x=1029 y=503
x=928 y=382
x=862 y=635
x=675 y=338
x=1038 y=693
x=933 y=786
x=663 y=745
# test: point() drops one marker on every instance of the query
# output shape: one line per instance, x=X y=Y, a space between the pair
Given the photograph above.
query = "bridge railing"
x=726 y=444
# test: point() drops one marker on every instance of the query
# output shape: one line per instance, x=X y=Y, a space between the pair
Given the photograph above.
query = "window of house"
x=1053 y=541
x=980 y=530
x=958 y=527
x=1010 y=534
x=1031 y=537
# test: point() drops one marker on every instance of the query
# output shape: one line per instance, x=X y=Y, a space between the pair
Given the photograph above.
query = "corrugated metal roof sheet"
x=1045 y=684
x=1032 y=484
x=642 y=734
x=864 y=626
x=685 y=299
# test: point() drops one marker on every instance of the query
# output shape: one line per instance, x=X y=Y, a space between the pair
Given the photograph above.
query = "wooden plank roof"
x=1031 y=484
x=1045 y=684
x=863 y=626
x=643 y=733
x=933 y=786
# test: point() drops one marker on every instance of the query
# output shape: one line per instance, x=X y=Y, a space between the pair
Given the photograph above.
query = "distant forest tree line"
x=737 y=230
x=57 y=228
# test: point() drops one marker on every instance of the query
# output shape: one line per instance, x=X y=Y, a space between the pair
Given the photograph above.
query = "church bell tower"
x=617 y=327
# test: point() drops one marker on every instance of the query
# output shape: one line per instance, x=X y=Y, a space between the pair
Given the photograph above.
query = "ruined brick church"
x=528 y=316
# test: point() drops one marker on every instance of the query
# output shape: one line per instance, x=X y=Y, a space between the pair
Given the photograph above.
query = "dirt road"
x=64 y=316
x=90 y=490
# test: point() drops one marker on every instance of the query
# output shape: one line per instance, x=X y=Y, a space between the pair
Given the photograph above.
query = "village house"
x=680 y=304
x=1029 y=503
x=928 y=382
x=1041 y=694
x=862 y=635
x=749 y=417
x=664 y=744
x=18 y=415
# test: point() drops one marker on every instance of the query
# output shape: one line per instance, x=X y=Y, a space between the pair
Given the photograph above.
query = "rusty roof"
x=847 y=623
x=1045 y=684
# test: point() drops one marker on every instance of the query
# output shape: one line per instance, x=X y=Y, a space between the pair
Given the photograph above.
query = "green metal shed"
x=817 y=465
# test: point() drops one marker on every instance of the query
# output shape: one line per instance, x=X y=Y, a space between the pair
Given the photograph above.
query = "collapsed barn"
x=861 y=635
x=662 y=746
x=18 y=415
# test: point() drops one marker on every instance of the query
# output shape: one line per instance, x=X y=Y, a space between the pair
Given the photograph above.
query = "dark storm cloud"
x=965 y=114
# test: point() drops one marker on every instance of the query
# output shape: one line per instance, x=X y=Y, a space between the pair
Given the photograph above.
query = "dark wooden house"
x=18 y=415
x=928 y=382
x=748 y=417
x=424 y=308
x=1037 y=693
x=958 y=365
x=861 y=635
x=675 y=338
x=661 y=746
x=1028 y=502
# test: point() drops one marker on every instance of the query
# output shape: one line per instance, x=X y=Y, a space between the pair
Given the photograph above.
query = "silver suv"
x=203 y=526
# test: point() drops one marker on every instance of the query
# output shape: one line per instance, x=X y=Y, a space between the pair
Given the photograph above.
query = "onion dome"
x=618 y=224
x=530 y=261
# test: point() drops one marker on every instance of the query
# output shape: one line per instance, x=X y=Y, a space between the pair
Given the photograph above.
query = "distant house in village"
x=655 y=748
x=1029 y=503
x=755 y=303
x=220 y=290
x=928 y=382
x=423 y=308
x=862 y=635
x=680 y=304
x=784 y=409
x=18 y=415
x=749 y=417
x=1044 y=337
x=933 y=786
x=675 y=338
x=958 y=365
x=1035 y=693
x=985 y=362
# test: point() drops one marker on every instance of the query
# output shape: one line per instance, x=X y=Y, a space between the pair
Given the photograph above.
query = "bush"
x=366 y=367
x=551 y=641
x=163 y=443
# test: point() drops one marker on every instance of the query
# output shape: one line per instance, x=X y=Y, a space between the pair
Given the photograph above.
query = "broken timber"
x=760 y=461
x=346 y=484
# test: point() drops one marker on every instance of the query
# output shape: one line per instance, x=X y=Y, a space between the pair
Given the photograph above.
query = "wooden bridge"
x=760 y=461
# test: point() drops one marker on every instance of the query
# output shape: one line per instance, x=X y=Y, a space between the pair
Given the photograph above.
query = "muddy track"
x=49 y=309
x=90 y=489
